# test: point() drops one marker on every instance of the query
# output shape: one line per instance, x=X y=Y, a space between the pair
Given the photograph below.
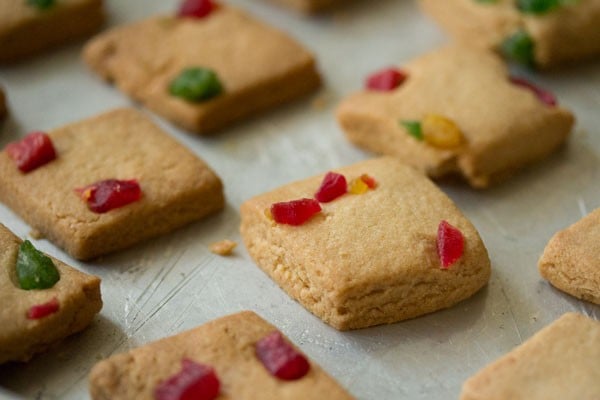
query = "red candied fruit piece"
x=106 y=195
x=280 y=358
x=333 y=186
x=295 y=212
x=386 y=80
x=543 y=95
x=196 y=8
x=43 y=310
x=369 y=181
x=34 y=150
x=194 y=382
x=450 y=244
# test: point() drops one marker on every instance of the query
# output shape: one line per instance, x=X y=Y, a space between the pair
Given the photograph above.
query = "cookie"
x=229 y=346
x=310 y=6
x=61 y=198
x=536 y=33
x=28 y=27
x=559 y=362
x=365 y=259
x=437 y=114
x=570 y=260
x=33 y=320
x=242 y=68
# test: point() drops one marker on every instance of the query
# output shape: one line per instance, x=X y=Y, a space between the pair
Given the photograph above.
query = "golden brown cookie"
x=258 y=67
x=564 y=33
x=177 y=187
x=503 y=126
x=27 y=26
x=227 y=345
x=571 y=260
x=559 y=362
x=370 y=258
x=77 y=296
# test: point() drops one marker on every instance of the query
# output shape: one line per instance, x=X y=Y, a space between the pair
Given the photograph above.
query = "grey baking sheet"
x=173 y=283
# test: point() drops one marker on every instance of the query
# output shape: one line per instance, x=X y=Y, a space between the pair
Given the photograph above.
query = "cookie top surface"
x=363 y=242
x=121 y=144
x=570 y=260
x=143 y=58
x=228 y=345
x=559 y=362
x=17 y=330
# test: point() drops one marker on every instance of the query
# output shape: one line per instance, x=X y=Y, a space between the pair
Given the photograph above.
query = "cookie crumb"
x=35 y=234
x=322 y=101
x=223 y=248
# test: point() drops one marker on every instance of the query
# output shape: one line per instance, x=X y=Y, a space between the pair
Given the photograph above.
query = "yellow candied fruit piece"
x=358 y=186
x=268 y=214
x=441 y=132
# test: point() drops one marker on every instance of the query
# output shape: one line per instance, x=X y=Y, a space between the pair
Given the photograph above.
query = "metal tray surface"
x=174 y=283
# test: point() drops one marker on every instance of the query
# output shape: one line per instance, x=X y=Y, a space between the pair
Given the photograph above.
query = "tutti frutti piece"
x=35 y=270
x=333 y=186
x=43 y=310
x=194 y=382
x=196 y=84
x=295 y=212
x=386 y=80
x=109 y=194
x=450 y=244
x=280 y=358
x=196 y=8
x=31 y=152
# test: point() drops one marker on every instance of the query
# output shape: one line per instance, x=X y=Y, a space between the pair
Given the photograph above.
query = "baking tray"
x=173 y=283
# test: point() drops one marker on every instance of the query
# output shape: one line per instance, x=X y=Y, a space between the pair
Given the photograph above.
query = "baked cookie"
x=116 y=179
x=368 y=256
x=541 y=33
x=559 y=362
x=3 y=106
x=240 y=356
x=310 y=6
x=29 y=26
x=456 y=110
x=571 y=260
x=43 y=300
x=242 y=68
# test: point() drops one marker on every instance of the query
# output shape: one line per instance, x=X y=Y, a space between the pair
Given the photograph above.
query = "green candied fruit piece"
x=196 y=85
x=41 y=4
x=35 y=270
x=537 y=6
x=413 y=128
x=519 y=47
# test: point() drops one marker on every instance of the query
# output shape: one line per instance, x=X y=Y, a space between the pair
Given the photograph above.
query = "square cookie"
x=448 y=92
x=256 y=67
x=76 y=296
x=228 y=346
x=559 y=362
x=177 y=187
x=309 y=6
x=571 y=260
x=28 y=27
x=367 y=259
x=552 y=35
